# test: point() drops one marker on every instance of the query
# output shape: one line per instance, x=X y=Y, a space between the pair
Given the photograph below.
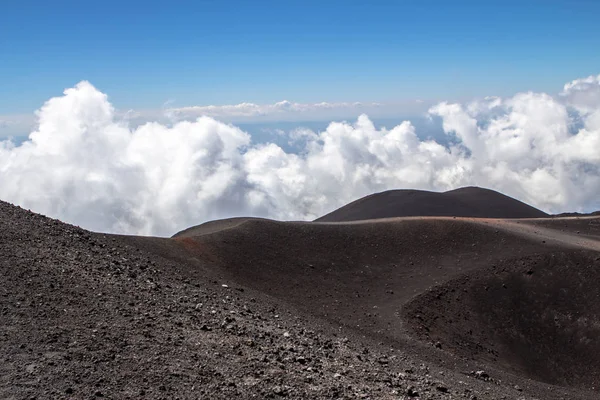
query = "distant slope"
x=578 y=214
x=464 y=202
x=213 y=226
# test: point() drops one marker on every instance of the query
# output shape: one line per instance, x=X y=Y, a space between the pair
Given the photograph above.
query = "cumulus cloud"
x=85 y=163
x=583 y=94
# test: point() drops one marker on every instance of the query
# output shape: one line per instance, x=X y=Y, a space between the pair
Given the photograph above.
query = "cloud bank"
x=86 y=165
x=278 y=109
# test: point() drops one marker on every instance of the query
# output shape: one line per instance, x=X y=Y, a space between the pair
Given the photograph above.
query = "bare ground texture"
x=430 y=308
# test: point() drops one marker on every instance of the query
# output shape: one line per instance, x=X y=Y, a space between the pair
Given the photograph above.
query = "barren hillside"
x=416 y=307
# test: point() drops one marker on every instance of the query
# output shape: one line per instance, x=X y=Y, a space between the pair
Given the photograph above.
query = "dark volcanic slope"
x=86 y=315
x=464 y=202
x=463 y=287
x=537 y=317
x=251 y=308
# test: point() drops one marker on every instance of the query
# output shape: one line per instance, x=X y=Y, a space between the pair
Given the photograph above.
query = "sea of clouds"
x=86 y=164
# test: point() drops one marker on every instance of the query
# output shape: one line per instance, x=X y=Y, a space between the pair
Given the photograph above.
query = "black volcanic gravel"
x=87 y=315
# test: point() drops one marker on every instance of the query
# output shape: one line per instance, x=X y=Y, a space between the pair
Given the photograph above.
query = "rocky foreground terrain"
x=259 y=309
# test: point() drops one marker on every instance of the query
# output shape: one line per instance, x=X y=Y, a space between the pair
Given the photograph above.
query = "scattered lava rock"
x=94 y=315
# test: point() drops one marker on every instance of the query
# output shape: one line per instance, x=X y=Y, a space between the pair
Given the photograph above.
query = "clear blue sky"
x=143 y=53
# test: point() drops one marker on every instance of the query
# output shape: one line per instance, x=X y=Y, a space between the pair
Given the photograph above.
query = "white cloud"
x=583 y=94
x=277 y=110
x=86 y=164
x=522 y=146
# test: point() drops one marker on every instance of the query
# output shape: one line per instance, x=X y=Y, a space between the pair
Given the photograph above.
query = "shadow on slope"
x=538 y=316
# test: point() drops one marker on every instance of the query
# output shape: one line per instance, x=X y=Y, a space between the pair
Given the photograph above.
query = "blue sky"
x=120 y=86
x=144 y=53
